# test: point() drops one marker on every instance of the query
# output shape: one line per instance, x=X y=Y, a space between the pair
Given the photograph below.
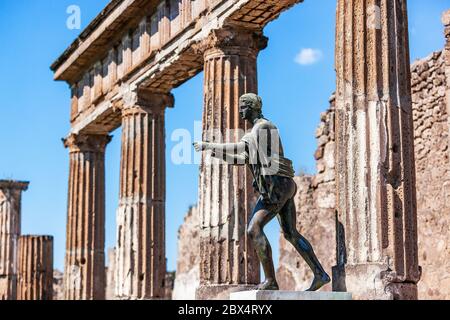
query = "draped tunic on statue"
x=261 y=149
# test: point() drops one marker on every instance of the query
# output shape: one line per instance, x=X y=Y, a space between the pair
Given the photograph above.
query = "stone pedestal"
x=84 y=276
x=140 y=253
x=226 y=197
x=10 y=226
x=377 y=220
x=258 y=295
x=35 y=280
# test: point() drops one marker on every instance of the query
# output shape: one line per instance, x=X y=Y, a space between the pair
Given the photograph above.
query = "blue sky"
x=34 y=110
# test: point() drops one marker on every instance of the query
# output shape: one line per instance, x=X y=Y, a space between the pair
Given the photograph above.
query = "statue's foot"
x=319 y=281
x=268 y=285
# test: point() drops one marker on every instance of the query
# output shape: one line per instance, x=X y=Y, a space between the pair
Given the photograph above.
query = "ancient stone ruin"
x=10 y=228
x=316 y=205
x=26 y=262
x=35 y=280
x=121 y=71
x=187 y=278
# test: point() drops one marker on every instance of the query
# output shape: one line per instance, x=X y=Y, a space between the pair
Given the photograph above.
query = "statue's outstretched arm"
x=232 y=153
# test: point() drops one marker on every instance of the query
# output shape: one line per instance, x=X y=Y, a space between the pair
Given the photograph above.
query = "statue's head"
x=250 y=106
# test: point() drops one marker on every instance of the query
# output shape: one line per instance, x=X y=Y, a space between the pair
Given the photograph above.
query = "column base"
x=221 y=291
x=368 y=282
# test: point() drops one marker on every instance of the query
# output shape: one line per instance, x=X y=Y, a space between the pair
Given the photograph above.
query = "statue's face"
x=245 y=109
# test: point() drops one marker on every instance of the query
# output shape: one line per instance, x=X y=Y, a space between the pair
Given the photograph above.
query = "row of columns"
x=376 y=184
x=140 y=256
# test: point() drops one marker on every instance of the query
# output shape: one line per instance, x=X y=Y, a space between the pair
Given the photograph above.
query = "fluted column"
x=84 y=276
x=35 y=276
x=10 y=226
x=226 y=197
x=377 y=219
x=140 y=252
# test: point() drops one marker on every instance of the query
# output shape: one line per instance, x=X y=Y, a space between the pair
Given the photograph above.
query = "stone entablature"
x=146 y=44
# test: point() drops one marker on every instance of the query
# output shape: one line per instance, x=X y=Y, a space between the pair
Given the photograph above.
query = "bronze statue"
x=262 y=151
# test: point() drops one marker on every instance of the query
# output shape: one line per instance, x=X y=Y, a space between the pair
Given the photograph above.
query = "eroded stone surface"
x=375 y=172
x=35 y=280
x=257 y=295
x=226 y=253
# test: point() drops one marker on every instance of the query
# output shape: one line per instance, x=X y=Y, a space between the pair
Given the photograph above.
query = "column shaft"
x=10 y=225
x=35 y=276
x=226 y=197
x=375 y=150
x=140 y=256
x=84 y=276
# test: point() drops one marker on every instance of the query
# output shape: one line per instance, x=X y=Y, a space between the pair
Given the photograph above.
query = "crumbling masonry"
x=26 y=262
x=10 y=228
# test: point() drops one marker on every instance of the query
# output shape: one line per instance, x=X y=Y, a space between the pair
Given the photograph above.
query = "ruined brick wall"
x=431 y=140
x=58 y=285
x=188 y=258
x=315 y=202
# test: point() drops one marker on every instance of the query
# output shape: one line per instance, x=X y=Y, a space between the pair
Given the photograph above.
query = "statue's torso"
x=266 y=159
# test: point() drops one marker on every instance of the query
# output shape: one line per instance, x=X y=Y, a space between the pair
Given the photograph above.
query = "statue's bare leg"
x=287 y=219
x=261 y=217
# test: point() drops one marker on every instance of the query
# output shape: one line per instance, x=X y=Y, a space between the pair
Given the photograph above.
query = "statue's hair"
x=255 y=100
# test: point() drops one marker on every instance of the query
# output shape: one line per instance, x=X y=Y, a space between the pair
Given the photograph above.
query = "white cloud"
x=308 y=56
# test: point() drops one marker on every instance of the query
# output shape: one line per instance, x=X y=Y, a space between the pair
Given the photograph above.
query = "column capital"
x=87 y=142
x=146 y=101
x=11 y=184
x=231 y=39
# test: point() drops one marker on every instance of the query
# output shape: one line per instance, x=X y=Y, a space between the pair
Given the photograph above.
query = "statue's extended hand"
x=200 y=146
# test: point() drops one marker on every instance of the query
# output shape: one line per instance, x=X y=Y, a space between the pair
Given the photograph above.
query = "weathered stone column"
x=140 y=252
x=10 y=222
x=446 y=22
x=226 y=197
x=377 y=220
x=111 y=275
x=84 y=276
x=35 y=276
